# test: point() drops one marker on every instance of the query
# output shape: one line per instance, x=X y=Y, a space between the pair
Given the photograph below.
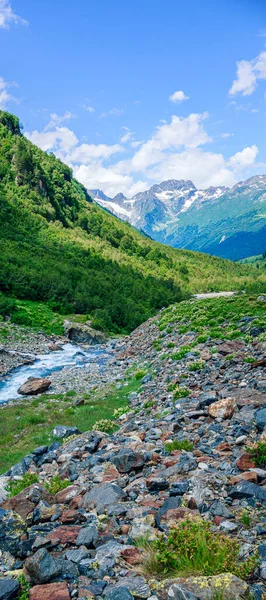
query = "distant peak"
x=119 y=197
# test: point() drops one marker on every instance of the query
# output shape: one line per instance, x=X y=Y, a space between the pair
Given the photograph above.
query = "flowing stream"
x=69 y=355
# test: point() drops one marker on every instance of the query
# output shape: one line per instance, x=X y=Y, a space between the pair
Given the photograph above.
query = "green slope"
x=56 y=246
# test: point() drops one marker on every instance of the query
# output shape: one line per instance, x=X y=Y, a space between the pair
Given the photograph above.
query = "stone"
x=42 y=567
x=132 y=556
x=64 y=431
x=82 y=333
x=66 y=534
x=155 y=484
x=25 y=502
x=109 y=550
x=260 y=418
x=246 y=489
x=245 y=462
x=207 y=588
x=171 y=503
x=222 y=409
x=88 y=536
x=218 y=509
x=127 y=460
x=178 y=488
x=54 y=347
x=8 y=589
x=11 y=530
x=51 y=591
x=34 y=385
x=135 y=584
x=179 y=592
x=119 y=593
x=103 y=495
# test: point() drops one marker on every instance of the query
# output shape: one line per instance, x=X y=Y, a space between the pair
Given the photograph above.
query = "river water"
x=45 y=364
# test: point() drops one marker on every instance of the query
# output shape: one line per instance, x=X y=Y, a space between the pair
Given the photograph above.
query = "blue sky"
x=132 y=93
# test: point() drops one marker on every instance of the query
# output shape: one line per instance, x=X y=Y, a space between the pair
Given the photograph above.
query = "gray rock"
x=82 y=333
x=246 y=489
x=127 y=460
x=76 y=556
x=179 y=592
x=42 y=567
x=8 y=589
x=88 y=536
x=103 y=495
x=260 y=417
x=218 y=509
x=120 y=593
x=64 y=431
x=34 y=386
x=109 y=550
x=136 y=585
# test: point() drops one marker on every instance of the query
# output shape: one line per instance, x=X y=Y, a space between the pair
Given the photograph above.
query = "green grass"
x=179 y=445
x=56 y=484
x=192 y=548
x=27 y=424
x=213 y=317
x=258 y=453
x=14 y=487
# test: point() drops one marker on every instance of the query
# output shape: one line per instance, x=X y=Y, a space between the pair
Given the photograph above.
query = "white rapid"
x=70 y=355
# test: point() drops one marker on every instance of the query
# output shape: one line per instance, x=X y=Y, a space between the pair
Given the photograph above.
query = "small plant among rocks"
x=197 y=365
x=258 y=453
x=181 y=392
x=56 y=484
x=179 y=445
x=140 y=374
x=105 y=425
x=15 y=486
x=193 y=548
x=245 y=518
x=118 y=412
x=24 y=590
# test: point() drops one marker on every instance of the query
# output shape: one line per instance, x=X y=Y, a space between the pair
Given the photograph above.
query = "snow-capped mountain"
x=229 y=222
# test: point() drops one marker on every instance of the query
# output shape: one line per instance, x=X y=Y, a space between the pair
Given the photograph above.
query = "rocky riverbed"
x=179 y=455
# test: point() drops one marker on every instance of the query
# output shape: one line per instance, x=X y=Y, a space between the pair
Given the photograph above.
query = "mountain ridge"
x=175 y=212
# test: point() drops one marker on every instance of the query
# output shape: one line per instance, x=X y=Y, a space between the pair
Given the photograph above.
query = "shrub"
x=179 y=445
x=24 y=588
x=258 y=453
x=7 y=306
x=140 y=374
x=15 y=486
x=181 y=392
x=196 y=366
x=193 y=548
x=56 y=484
x=105 y=425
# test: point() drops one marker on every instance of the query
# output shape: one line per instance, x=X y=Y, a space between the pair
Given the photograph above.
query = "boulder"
x=8 y=589
x=246 y=489
x=83 y=334
x=127 y=460
x=223 y=409
x=120 y=593
x=34 y=386
x=50 y=591
x=64 y=431
x=42 y=567
x=260 y=418
x=88 y=536
x=103 y=495
x=204 y=588
x=136 y=585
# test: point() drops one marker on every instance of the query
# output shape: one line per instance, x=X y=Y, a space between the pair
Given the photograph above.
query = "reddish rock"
x=67 y=494
x=192 y=504
x=70 y=516
x=124 y=529
x=34 y=385
x=23 y=504
x=245 y=462
x=176 y=514
x=65 y=534
x=247 y=476
x=133 y=556
x=217 y=520
x=223 y=409
x=111 y=473
x=224 y=447
x=53 y=347
x=50 y=591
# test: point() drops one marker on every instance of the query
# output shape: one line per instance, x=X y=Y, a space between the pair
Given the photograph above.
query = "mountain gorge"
x=226 y=222
x=59 y=248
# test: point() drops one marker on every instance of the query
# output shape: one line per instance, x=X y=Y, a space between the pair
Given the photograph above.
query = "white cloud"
x=245 y=158
x=188 y=132
x=127 y=136
x=7 y=16
x=178 y=96
x=115 y=112
x=175 y=150
x=57 y=120
x=226 y=135
x=61 y=140
x=5 y=96
x=88 y=108
x=248 y=74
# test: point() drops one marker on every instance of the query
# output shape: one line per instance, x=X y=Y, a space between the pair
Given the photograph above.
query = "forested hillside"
x=58 y=247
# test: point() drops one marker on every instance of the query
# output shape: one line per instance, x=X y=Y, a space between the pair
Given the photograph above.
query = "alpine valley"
x=226 y=222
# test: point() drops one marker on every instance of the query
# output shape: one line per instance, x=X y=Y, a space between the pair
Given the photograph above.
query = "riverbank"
x=193 y=382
